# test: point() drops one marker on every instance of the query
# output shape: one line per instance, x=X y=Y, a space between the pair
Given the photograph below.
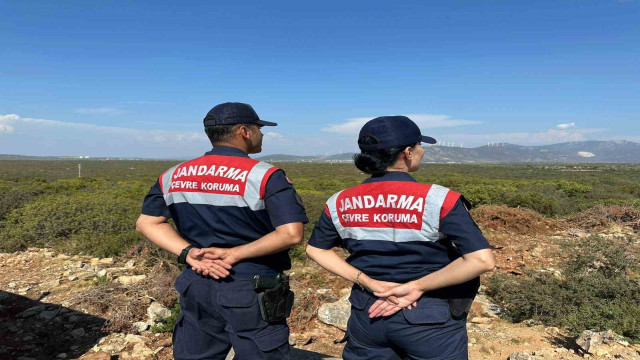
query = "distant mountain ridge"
x=621 y=151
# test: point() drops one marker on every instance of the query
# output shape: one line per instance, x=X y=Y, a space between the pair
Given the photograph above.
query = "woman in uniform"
x=415 y=251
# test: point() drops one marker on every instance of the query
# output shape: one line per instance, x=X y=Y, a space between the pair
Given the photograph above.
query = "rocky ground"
x=56 y=306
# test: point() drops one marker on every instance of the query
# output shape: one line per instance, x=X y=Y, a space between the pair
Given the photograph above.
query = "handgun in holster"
x=274 y=297
x=461 y=297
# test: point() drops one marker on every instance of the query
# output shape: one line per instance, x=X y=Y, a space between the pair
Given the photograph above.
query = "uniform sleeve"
x=282 y=202
x=154 y=204
x=461 y=230
x=324 y=235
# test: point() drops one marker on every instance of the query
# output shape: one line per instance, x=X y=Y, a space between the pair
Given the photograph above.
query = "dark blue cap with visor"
x=232 y=113
x=392 y=131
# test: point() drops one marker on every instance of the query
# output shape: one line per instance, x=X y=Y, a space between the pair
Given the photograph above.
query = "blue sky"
x=136 y=78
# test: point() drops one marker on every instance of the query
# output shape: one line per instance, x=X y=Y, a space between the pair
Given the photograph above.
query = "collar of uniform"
x=390 y=176
x=226 y=151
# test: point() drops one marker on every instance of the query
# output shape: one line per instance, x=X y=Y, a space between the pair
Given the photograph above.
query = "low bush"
x=99 y=223
x=13 y=198
x=599 y=290
x=573 y=189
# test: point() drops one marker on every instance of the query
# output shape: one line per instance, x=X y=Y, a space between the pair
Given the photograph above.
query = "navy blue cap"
x=391 y=131
x=232 y=113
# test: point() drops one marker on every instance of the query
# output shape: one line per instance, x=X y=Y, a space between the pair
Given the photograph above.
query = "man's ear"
x=243 y=130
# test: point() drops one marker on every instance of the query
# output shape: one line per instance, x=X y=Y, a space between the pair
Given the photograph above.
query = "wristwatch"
x=182 y=258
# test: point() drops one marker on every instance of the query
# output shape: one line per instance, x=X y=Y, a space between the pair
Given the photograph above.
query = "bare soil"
x=74 y=296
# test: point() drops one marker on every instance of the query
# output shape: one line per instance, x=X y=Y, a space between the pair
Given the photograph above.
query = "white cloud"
x=566 y=126
x=100 y=111
x=8 y=129
x=4 y=126
x=273 y=136
x=52 y=137
x=424 y=121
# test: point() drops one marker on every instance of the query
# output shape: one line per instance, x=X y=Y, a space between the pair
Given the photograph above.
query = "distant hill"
x=54 y=158
x=569 y=152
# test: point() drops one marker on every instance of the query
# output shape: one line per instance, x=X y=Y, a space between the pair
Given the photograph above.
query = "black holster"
x=461 y=297
x=274 y=297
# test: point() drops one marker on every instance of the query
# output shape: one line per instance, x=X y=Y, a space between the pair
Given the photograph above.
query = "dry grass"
x=123 y=305
x=601 y=216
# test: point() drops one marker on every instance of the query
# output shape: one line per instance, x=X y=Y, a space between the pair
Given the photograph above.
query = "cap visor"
x=266 y=123
x=428 y=140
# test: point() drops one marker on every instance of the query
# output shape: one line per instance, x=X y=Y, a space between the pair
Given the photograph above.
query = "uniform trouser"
x=426 y=332
x=217 y=315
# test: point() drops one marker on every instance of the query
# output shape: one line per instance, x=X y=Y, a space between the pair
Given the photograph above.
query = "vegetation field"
x=45 y=204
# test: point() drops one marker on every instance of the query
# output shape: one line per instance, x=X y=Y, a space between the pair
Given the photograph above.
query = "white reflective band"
x=387 y=234
x=166 y=179
x=211 y=199
x=254 y=180
x=432 y=208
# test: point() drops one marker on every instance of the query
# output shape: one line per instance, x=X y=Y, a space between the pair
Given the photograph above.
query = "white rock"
x=132 y=339
x=140 y=326
x=102 y=273
x=157 y=311
x=130 y=280
x=141 y=351
x=336 y=313
x=105 y=261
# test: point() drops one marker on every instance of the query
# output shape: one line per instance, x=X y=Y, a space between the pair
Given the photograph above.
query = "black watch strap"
x=182 y=258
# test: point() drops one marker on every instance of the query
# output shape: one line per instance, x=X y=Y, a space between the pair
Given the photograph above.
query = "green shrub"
x=573 y=189
x=597 y=292
x=100 y=223
x=542 y=202
x=13 y=198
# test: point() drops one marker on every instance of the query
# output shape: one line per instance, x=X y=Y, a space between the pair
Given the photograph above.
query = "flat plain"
x=551 y=225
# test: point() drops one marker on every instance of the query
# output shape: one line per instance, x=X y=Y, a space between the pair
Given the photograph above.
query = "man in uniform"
x=236 y=218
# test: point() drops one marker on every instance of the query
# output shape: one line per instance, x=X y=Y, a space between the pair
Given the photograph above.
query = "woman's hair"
x=377 y=161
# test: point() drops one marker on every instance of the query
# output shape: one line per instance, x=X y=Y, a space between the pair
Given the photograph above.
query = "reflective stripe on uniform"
x=253 y=194
x=211 y=199
x=431 y=217
x=165 y=179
